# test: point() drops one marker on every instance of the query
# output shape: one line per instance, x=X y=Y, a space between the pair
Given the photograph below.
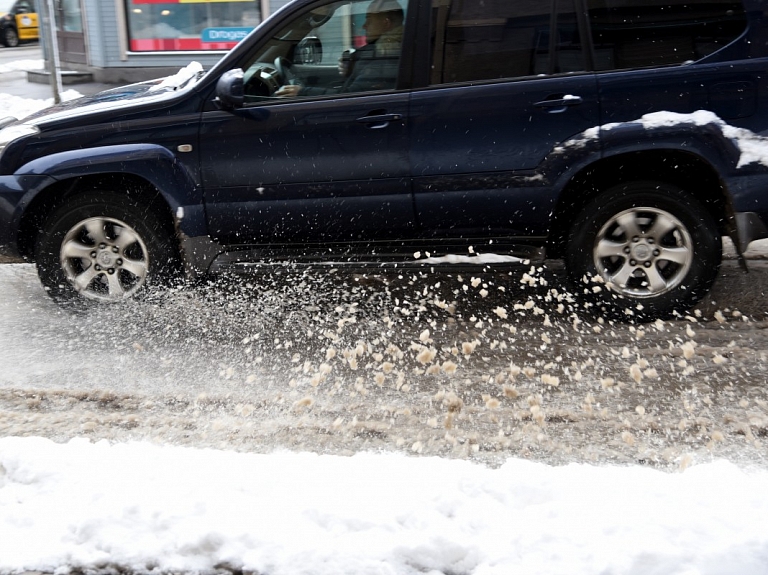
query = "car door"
x=327 y=162
x=507 y=85
x=670 y=58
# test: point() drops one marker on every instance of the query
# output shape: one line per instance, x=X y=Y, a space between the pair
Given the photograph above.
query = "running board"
x=384 y=258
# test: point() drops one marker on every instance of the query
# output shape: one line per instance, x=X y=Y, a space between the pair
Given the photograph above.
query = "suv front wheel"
x=102 y=247
x=644 y=249
x=10 y=37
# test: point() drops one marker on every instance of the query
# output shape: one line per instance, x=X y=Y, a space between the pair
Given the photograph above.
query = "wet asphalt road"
x=477 y=367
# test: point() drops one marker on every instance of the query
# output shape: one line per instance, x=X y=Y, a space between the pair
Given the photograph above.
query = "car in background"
x=624 y=136
x=18 y=22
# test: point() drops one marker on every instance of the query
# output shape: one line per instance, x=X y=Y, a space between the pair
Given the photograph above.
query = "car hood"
x=122 y=97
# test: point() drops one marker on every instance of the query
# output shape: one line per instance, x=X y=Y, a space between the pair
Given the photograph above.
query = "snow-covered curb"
x=22 y=66
x=20 y=108
x=147 y=508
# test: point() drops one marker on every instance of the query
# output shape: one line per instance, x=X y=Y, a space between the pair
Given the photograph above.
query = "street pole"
x=54 y=63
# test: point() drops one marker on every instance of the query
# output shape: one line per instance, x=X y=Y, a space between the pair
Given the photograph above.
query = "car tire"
x=643 y=250
x=10 y=38
x=103 y=247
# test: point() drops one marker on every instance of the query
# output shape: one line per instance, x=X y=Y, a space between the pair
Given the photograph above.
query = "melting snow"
x=147 y=508
x=180 y=77
x=753 y=147
x=22 y=107
x=473 y=259
x=22 y=66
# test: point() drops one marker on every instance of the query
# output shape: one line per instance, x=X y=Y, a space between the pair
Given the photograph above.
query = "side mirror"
x=308 y=51
x=230 y=89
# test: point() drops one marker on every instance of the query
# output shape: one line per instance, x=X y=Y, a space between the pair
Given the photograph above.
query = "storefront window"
x=70 y=19
x=163 y=25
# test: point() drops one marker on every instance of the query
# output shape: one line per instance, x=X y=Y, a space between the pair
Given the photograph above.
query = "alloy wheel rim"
x=643 y=252
x=104 y=259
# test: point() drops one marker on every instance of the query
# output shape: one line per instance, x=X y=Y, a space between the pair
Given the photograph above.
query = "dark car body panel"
x=448 y=166
x=282 y=172
x=470 y=170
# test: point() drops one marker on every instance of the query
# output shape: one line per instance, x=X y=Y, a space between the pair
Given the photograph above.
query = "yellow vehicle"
x=18 y=22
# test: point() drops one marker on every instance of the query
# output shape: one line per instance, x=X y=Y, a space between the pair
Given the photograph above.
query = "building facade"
x=119 y=41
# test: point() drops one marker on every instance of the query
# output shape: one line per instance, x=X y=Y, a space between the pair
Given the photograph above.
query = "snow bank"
x=145 y=507
x=22 y=65
x=20 y=108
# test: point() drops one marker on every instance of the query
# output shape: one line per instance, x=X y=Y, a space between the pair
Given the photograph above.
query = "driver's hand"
x=288 y=91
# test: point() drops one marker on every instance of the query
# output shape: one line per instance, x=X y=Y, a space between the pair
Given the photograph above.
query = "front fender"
x=151 y=162
x=16 y=192
x=155 y=164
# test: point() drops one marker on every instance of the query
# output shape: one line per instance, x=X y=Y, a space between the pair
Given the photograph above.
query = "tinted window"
x=641 y=33
x=341 y=47
x=494 y=39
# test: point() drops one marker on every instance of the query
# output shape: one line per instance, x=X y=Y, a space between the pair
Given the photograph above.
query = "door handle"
x=561 y=102
x=376 y=121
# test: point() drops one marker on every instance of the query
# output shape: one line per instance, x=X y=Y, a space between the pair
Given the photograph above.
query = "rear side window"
x=643 y=33
x=494 y=39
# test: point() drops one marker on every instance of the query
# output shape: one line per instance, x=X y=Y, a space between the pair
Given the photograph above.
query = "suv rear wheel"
x=102 y=247
x=644 y=249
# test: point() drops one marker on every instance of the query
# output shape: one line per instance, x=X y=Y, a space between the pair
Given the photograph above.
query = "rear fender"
x=708 y=141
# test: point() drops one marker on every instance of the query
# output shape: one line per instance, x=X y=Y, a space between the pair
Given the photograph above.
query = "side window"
x=474 y=41
x=638 y=33
x=341 y=47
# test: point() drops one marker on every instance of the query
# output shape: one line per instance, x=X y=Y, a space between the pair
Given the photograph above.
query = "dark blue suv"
x=623 y=136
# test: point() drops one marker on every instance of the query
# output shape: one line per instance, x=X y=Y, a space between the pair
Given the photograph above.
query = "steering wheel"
x=285 y=70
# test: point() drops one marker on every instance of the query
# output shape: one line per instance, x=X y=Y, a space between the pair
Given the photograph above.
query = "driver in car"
x=372 y=67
